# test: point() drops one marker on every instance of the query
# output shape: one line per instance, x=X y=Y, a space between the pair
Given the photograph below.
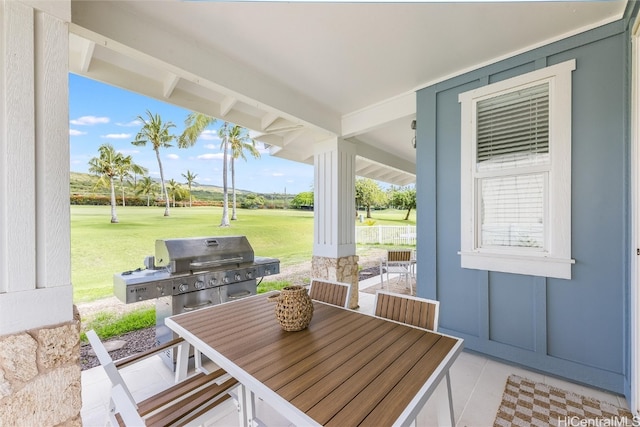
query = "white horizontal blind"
x=513 y=123
x=512 y=133
x=512 y=211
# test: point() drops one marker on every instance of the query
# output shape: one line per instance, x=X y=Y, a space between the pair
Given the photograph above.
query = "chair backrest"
x=414 y=311
x=107 y=362
x=398 y=255
x=336 y=293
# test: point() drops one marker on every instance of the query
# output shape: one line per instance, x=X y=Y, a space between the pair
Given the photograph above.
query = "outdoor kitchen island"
x=192 y=273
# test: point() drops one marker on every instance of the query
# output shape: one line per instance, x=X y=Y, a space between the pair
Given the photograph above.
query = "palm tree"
x=128 y=169
x=239 y=141
x=224 y=133
x=106 y=166
x=191 y=178
x=157 y=133
x=148 y=187
x=196 y=123
x=174 y=189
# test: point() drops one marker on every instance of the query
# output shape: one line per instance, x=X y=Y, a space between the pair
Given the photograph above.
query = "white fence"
x=386 y=235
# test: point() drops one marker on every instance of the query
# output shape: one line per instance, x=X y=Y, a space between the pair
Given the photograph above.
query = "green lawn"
x=99 y=249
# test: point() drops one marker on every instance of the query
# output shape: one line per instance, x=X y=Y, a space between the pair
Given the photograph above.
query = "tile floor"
x=477 y=383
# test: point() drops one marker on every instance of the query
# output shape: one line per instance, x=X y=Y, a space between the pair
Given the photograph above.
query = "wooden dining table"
x=345 y=369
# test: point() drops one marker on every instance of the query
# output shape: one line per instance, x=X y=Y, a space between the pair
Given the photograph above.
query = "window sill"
x=559 y=268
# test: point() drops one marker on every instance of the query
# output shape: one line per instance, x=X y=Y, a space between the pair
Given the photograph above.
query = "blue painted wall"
x=574 y=328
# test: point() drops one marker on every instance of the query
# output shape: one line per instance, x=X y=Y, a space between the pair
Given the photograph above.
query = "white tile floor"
x=477 y=383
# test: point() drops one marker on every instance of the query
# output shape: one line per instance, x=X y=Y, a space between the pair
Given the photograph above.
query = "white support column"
x=334 y=246
x=35 y=267
x=334 y=198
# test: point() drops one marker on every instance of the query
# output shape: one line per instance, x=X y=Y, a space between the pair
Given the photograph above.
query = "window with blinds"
x=516 y=174
x=512 y=132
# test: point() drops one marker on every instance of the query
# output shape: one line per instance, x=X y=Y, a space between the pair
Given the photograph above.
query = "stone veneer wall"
x=40 y=378
x=343 y=269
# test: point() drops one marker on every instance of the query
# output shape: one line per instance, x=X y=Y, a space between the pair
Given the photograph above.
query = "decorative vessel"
x=294 y=308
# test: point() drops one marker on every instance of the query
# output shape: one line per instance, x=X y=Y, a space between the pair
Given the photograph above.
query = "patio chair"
x=411 y=310
x=336 y=293
x=398 y=261
x=189 y=402
x=415 y=311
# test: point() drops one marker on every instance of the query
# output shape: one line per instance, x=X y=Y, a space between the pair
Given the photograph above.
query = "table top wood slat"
x=319 y=342
x=400 y=396
x=346 y=368
x=294 y=346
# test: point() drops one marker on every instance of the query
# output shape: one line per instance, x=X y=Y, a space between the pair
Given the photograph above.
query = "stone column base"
x=343 y=269
x=40 y=378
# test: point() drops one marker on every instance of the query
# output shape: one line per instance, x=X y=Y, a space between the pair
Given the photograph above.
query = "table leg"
x=246 y=401
x=445 y=403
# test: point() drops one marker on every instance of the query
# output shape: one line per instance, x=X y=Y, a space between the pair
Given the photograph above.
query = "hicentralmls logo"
x=576 y=421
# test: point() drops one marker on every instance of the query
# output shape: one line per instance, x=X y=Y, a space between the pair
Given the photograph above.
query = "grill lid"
x=202 y=253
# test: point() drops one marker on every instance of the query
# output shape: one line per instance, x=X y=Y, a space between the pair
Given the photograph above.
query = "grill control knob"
x=267 y=272
x=238 y=277
x=225 y=279
x=183 y=288
x=213 y=281
x=249 y=274
x=160 y=289
x=199 y=284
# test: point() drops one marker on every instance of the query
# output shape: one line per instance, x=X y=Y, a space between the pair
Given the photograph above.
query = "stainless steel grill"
x=192 y=273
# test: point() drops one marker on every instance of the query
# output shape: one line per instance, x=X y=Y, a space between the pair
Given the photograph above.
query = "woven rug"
x=528 y=403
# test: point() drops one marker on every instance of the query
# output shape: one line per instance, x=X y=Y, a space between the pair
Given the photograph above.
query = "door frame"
x=634 y=342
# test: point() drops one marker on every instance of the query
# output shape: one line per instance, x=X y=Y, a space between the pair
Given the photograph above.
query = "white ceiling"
x=301 y=72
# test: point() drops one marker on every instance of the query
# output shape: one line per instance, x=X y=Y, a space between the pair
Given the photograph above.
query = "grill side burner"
x=193 y=273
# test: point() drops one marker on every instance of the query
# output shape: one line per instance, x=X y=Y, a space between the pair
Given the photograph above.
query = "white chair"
x=189 y=402
x=398 y=261
x=415 y=311
x=336 y=293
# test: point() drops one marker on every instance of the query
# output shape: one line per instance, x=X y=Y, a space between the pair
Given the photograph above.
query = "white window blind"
x=514 y=127
x=512 y=133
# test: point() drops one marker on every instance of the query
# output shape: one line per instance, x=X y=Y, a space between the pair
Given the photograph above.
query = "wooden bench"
x=189 y=402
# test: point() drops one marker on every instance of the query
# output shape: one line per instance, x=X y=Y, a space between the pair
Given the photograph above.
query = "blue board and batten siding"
x=577 y=328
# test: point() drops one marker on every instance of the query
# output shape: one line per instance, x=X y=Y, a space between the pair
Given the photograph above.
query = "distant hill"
x=85 y=184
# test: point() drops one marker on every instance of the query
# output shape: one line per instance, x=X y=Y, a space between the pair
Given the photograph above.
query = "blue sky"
x=99 y=113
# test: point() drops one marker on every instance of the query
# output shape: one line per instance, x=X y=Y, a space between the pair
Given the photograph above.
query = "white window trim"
x=556 y=260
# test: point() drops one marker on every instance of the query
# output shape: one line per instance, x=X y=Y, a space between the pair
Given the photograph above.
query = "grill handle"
x=197 y=306
x=215 y=263
x=239 y=295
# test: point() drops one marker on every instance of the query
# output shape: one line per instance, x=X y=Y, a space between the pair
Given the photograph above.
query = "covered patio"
x=478 y=384
x=377 y=90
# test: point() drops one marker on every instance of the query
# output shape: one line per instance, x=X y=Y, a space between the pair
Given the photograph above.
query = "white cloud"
x=209 y=135
x=74 y=132
x=135 y=122
x=89 y=120
x=211 y=156
x=173 y=157
x=210 y=146
x=116 y=136
x=277 y=174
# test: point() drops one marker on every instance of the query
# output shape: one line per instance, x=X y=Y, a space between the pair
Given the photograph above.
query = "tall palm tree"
x=239 y=140
x=126 y=169
x=148 y=187
x=106 y=166
x=157 y=134
x=191 y=178
x=224 y=133
x=196 y=123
